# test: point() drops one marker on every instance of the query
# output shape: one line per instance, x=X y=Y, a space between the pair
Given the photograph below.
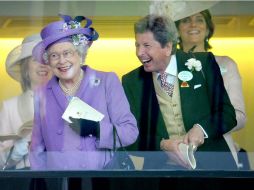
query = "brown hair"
x=210 y=26
x=163 y=29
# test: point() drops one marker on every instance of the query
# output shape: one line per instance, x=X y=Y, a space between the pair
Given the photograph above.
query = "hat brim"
x=41 y=47
x=14 y=58
x=194 y=8
x=178 y=10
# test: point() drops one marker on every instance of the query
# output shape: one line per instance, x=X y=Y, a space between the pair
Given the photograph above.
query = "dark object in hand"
x=85 y=127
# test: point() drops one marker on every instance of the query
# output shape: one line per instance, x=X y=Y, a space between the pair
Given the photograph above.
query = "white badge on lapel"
x=185 y=76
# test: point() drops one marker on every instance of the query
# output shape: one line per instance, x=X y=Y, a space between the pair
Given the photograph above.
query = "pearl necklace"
x=71 y=91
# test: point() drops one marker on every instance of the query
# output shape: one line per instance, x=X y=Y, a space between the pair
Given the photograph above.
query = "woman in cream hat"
x=18 y=111
x=195 y=26
x=76 y=141
x=195 y=31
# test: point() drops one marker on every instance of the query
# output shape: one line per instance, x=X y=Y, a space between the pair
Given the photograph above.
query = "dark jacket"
x=208 y=105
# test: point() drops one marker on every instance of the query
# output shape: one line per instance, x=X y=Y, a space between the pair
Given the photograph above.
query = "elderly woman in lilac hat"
x=76 y=143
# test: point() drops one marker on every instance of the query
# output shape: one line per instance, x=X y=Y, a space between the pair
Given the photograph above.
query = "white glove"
x=20 y=149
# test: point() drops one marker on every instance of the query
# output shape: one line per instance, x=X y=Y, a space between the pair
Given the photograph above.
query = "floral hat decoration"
x=177 y=10
x=66 y=28
x=23 y=51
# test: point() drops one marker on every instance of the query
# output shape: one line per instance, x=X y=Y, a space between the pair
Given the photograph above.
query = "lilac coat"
x=54 y=144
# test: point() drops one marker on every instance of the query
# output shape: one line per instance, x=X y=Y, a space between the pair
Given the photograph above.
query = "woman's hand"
x=195 y=136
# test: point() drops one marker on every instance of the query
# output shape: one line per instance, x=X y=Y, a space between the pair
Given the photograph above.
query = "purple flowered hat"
x=65 y=28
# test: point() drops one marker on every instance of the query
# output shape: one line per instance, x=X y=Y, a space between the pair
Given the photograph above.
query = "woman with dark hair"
x=195 y=26
x=196 y=31
x=184 y=41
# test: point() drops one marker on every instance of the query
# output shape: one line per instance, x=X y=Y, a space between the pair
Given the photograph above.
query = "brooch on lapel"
x=95 y=81
x=193 y=65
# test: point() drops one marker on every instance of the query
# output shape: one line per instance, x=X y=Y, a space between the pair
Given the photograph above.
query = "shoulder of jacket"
x=225 y=60
x=134 y=72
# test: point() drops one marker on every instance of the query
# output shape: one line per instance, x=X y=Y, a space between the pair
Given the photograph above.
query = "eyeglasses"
x=56 y=56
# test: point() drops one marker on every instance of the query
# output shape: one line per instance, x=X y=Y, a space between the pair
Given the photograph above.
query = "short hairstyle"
x=162 y=27
x=210 y=26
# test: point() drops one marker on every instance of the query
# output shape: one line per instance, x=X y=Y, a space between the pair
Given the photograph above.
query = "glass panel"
x=58 y=153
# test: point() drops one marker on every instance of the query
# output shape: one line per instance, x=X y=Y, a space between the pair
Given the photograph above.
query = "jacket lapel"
x=59 y=95
x=153 y=129
x=181 y=58
x=88 y=74
x=186 y=93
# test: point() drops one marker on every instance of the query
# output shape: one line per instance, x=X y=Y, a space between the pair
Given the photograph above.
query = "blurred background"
x=115 y=49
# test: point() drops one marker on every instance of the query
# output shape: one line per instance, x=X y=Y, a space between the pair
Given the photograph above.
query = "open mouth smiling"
x=64 y=68
x=146 y=61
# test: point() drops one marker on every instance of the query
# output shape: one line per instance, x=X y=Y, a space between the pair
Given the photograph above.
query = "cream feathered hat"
x=13 y=60
x=178 y=9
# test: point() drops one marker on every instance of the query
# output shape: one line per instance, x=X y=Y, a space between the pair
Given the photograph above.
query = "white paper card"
x=79 y=109
x=188 y=154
